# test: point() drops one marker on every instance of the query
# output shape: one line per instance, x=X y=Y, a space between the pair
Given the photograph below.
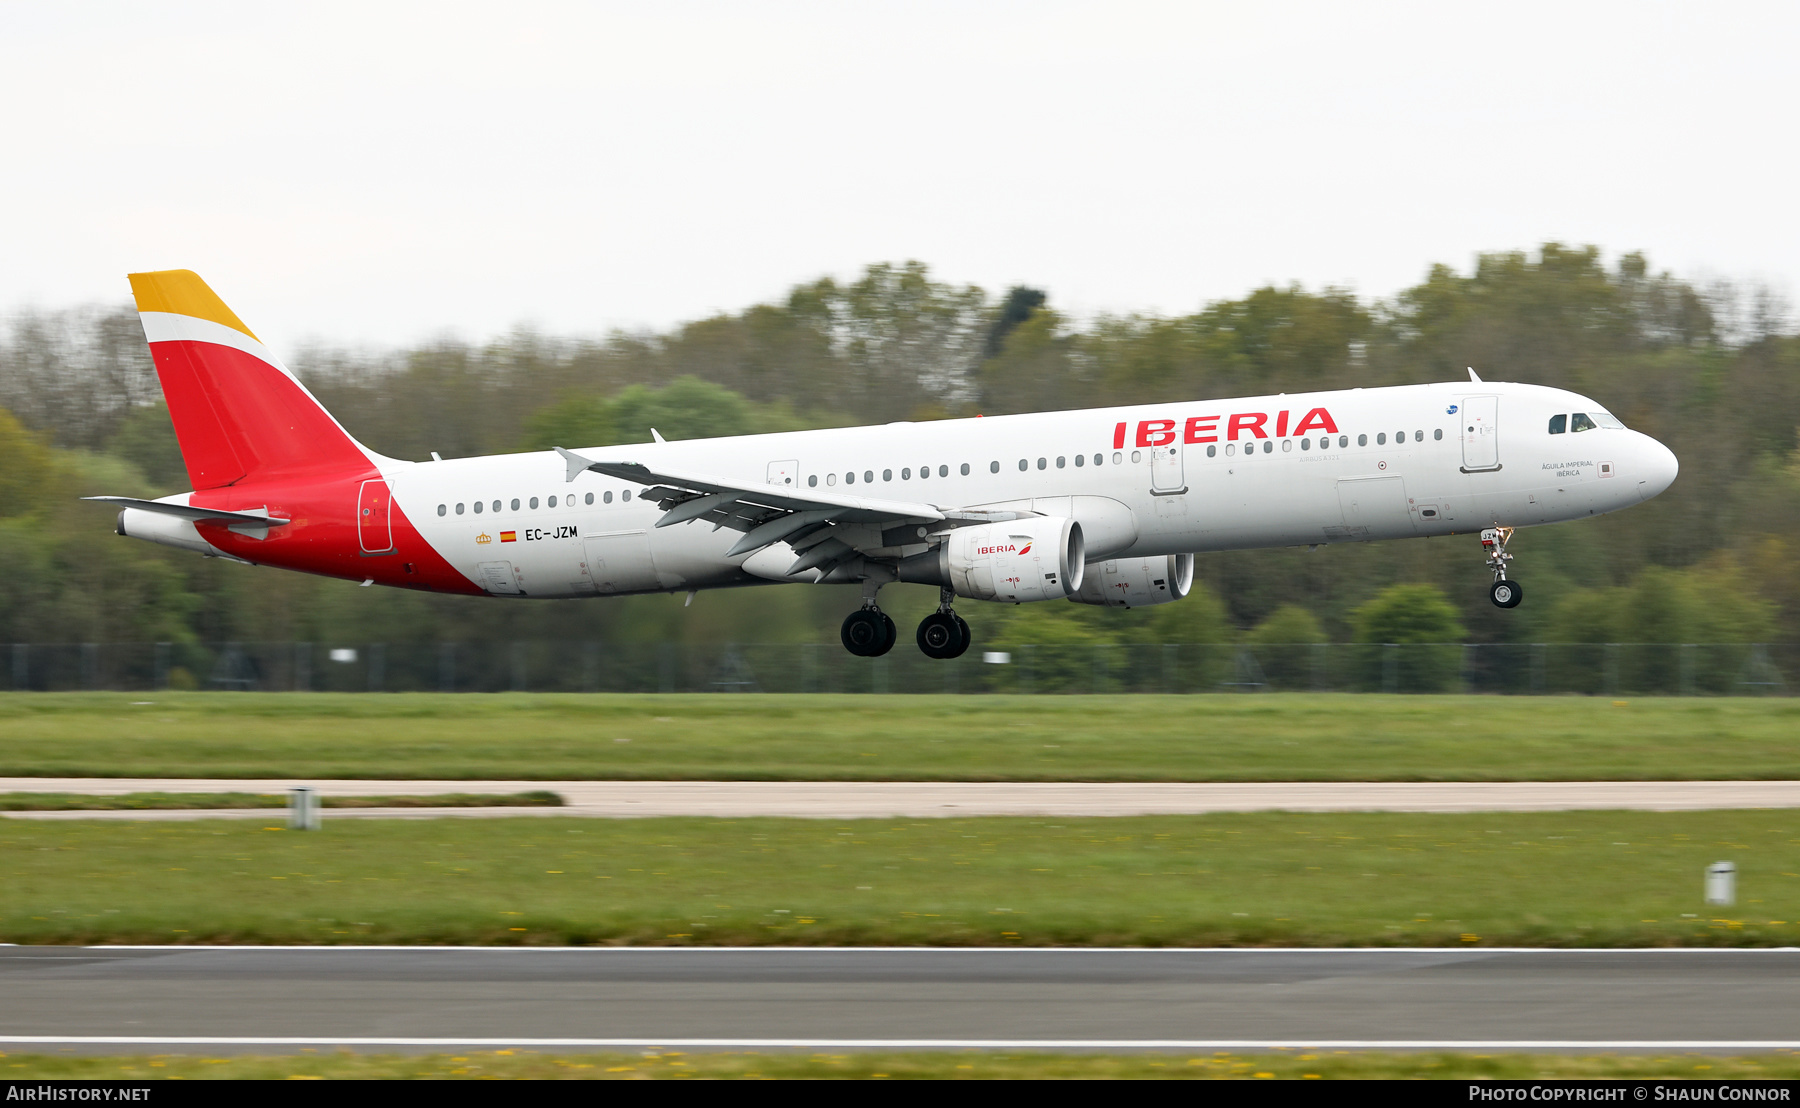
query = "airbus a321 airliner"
x=1106 y=506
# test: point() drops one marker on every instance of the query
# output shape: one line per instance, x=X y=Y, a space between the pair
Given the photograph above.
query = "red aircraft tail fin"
x=238 y=412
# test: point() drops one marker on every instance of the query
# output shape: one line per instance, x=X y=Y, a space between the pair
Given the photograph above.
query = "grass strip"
x=1220 y=737
x=81 y=802
x=1576 y=879
x=935 y=1065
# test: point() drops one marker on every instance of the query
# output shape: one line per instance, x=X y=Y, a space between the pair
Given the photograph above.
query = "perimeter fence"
x=1669 y=669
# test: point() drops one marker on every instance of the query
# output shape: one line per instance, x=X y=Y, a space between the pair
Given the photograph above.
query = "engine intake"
x=1136 y=582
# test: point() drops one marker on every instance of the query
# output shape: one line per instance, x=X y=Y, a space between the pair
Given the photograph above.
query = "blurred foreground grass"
x=1580 y=879
x=1223 y=737
x=1287 y=1064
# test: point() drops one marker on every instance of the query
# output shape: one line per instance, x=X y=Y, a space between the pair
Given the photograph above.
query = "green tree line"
x=1711 y=371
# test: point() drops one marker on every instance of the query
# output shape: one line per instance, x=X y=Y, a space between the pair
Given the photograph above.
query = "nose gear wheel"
x=1504 y=593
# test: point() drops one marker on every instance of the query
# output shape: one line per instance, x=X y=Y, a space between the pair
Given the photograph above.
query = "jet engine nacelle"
x=1136 y=582
x=1020 y=560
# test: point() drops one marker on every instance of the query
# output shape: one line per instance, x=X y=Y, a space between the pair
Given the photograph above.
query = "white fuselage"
x=1144 y=480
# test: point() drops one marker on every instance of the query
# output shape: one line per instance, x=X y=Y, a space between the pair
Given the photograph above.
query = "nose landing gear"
x=943 y=634
x=1504 y=593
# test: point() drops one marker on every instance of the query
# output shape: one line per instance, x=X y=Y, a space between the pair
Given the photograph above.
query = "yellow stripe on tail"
x=182 y=292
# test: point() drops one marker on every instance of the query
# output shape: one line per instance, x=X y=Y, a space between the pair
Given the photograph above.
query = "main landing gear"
x=870 y=632
x=943 y=634
x=1504 y=593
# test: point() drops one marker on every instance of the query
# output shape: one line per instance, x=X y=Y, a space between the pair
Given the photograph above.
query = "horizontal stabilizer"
x=252 y=518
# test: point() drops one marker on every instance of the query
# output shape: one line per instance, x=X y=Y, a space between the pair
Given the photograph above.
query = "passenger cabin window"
x=1343 y=442
x=906 y=473
x=887 y=475
x=1381 y=439
x=868 y=476
x=534 y=502
x=993 y=467
x=850 y=478
x=515 y=503
x=1580 y=422
x=1437 y=434
x=607 y=496
x=459 y=509
x=1306 y=444
x=831 y=478
x=1043 y=463
x=625 y=496
x=1061 y=462
x=478 y=507
x=497 y=503
x=1212 y=452
x=1418 y=436
x=1080 y=460
x=553 y=502
x=812 y=482
x=1362 y=440
x=965 y=470
x=443 y=509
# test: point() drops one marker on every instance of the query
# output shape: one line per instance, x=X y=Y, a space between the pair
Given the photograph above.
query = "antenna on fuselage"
x=1473 y=377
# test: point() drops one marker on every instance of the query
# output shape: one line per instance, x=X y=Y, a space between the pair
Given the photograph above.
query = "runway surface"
x=915 y=799
x=262 y=998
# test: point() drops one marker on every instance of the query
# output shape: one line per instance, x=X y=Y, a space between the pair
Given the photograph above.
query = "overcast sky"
x=379 y=173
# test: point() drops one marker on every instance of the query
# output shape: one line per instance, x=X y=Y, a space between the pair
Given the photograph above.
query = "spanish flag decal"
x=509 y=536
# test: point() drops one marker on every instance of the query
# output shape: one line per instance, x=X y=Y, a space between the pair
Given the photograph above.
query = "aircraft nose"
x=1657 y=468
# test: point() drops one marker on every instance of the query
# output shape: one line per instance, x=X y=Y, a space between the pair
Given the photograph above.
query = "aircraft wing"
x=825 y=528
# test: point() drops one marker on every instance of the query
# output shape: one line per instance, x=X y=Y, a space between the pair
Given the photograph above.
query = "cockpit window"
x=1608 y=420
x=1559 y=424
x=1580 y=422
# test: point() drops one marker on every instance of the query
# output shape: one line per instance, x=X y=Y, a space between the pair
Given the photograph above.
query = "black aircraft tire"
x=939 y=636
x=968 y=636
x=1506 y=594
x=864 y=634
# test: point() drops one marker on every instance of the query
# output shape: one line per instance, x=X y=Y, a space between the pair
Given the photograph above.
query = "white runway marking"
x=921 y=1044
